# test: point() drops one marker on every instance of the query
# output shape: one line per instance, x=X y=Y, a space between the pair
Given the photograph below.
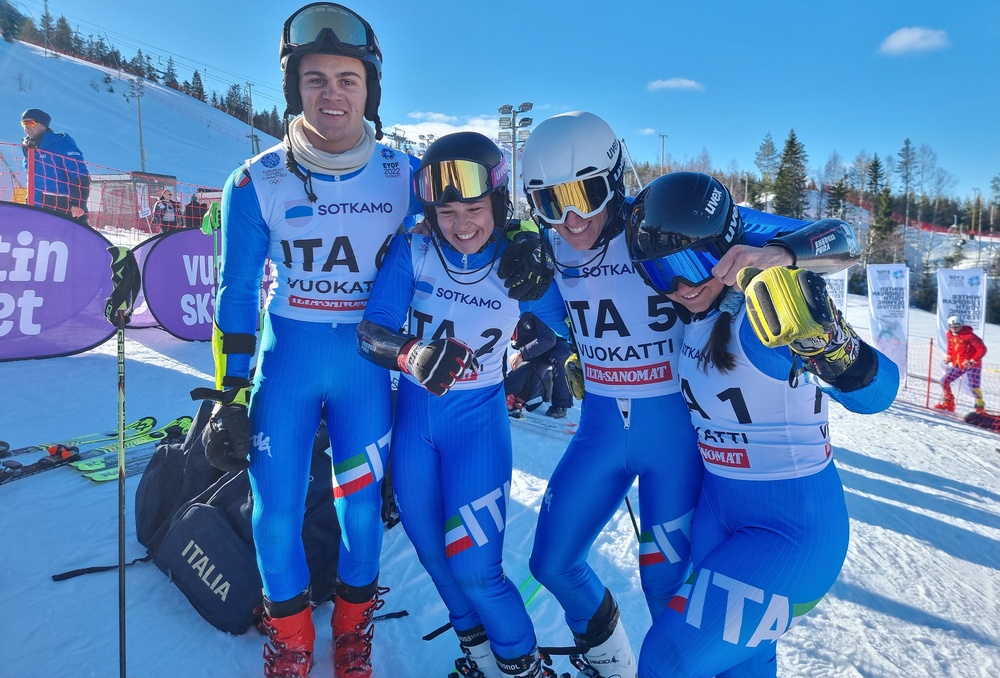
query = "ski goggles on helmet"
x=585 y=197
x=691 y=266
x=324 y=21
x=464 y=180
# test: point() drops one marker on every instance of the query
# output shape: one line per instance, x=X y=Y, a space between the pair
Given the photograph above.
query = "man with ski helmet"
x=451 y=445
x=322 y=206
x=628 y=338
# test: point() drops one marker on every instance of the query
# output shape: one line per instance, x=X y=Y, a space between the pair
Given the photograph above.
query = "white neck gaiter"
x=322 y=162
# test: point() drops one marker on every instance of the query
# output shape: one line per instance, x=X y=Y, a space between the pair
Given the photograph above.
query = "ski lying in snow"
x=532 y=420
x=12 y=469
x=138 y=427
x=105 y=468
x=106 y=456
x=990 y=422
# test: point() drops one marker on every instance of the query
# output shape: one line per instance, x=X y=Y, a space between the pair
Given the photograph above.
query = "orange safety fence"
x=120 y=203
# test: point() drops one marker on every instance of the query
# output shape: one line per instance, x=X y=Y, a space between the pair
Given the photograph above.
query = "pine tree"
x=29 y=33
x=170 y=75
x=151 y=73
x=137 y=66
x=790 y=182
x=197 y=87
x=883 y=232
x=905 y=170
x=836 y=200
x=235 y=102
x=766 y=160
x=11 y=21
x=61 y=36
x=876 y=177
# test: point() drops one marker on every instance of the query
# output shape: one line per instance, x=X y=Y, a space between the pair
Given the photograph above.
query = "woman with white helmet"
x=634 y=420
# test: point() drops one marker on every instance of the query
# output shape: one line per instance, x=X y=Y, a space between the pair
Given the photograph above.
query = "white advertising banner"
x=961 y=293
x=836 y=287
x=888 y=311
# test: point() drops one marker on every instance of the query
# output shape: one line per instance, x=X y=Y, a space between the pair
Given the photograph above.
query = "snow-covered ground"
x=918 y=595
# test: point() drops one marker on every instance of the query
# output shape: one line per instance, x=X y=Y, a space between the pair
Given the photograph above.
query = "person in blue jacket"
x=322 y=206
x=770 y=529
x=441 y=315
x=633 y=421
x=58 y=174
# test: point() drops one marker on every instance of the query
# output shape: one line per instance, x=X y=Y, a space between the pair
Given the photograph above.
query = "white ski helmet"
x=954 y=321
x=578 y=155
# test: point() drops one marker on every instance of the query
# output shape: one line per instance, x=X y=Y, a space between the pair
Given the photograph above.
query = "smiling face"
x=697 y=299
x=467 y=226
x=333 y=100
x=580 y=233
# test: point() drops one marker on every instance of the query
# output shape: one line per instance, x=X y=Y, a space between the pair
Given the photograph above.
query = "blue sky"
x=848 y=77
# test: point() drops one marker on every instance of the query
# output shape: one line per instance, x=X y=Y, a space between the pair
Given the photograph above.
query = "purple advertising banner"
x=178 y=280
x=55 y=277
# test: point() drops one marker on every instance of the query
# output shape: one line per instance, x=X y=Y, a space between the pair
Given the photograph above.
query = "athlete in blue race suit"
x=322 y=206
x=628 y=338
x=770 y=529
x=451 y=447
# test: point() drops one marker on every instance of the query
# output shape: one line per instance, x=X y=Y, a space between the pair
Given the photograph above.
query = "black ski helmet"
x=463 y=166
x=681 y=213
x=329 y=28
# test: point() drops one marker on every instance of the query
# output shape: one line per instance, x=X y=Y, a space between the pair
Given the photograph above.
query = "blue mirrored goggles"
x=350 y=31
x=692 y=266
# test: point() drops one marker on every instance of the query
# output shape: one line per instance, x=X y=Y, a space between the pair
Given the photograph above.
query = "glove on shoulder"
x=525 y=267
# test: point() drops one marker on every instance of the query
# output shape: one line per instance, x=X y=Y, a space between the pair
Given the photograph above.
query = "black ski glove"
x=227 y=436
x=437 y=364
x=525 y=267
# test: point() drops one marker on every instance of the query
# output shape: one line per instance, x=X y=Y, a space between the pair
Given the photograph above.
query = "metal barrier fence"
x=120 y=203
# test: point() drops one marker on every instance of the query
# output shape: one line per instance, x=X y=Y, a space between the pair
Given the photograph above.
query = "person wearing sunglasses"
x=770 y=528
x=322 y=207
x=634 y=420
x=451 y=445
x=59 y=175
x=963 y=355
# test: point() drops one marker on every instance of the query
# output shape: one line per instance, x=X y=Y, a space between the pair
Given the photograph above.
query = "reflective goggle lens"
x=691 y=266
x=28 y=123
x=468 y=180
x=306 y=26
x=586 y=197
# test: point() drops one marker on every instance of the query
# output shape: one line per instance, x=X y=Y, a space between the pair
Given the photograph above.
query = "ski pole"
x=118 y=310
x=441 y=629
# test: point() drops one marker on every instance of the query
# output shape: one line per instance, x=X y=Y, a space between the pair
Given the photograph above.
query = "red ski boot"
x=948 y=405
x=353 y=632
x=290 y=651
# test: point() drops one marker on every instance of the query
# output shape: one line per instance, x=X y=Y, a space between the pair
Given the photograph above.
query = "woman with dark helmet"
x=451 y=446
x=322 y=206
x=770 y=529
x=634 y=421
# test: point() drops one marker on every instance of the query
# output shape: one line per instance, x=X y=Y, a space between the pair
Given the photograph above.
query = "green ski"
x=106 y=456
x=138 y=427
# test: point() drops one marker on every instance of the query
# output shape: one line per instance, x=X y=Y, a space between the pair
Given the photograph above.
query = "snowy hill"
x=182 y=136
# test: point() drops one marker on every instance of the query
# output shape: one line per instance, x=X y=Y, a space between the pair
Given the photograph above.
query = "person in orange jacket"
x=965 y=356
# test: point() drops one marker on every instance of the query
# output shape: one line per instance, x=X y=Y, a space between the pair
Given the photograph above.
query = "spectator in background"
x=538 y=369
x=57 y=171
x=194 y=212
x=167 y=211
x=965 y=356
